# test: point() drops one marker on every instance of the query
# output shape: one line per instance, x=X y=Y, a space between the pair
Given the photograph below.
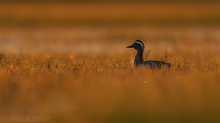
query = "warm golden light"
x=68 y=62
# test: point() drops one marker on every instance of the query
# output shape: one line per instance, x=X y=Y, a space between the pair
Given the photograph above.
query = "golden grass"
x=105 y=89
x=83 y=74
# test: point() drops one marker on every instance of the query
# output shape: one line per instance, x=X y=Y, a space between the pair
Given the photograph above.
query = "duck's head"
x=138 y=45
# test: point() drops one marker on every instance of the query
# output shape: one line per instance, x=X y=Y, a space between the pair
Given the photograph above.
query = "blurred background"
x=82 y=26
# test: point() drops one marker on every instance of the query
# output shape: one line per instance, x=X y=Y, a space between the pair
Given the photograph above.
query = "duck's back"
x=157 y=64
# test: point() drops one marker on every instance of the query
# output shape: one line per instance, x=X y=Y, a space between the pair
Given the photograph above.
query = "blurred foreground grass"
x=105 y=89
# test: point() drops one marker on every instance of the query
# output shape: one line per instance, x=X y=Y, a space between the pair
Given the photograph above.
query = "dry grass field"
x=93 y=81
x=83 y=74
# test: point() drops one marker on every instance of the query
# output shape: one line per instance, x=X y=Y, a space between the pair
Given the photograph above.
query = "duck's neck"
x=138 y=59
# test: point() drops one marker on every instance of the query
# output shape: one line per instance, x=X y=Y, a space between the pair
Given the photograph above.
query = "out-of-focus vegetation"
x=38 y=14
x=91 y=89
x=68 y=62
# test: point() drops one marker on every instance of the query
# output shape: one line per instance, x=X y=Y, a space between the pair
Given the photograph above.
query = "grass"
x=85 y=88
x=67 y=62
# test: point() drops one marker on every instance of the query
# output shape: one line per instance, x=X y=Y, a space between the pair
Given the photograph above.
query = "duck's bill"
x=130 y=46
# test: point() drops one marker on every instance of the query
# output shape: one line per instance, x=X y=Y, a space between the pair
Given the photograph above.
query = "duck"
x=138 y=61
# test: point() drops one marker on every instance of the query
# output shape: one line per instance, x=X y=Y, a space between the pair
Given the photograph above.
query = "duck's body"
x=138 y=59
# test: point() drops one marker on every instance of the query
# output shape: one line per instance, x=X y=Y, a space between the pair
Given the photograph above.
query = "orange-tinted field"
x=82 y=73
x=90 y=79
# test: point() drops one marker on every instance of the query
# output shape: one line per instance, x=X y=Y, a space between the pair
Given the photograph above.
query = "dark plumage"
x=138 y=59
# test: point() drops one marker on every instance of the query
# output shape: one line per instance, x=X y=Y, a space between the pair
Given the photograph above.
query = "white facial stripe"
x=142 y=46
